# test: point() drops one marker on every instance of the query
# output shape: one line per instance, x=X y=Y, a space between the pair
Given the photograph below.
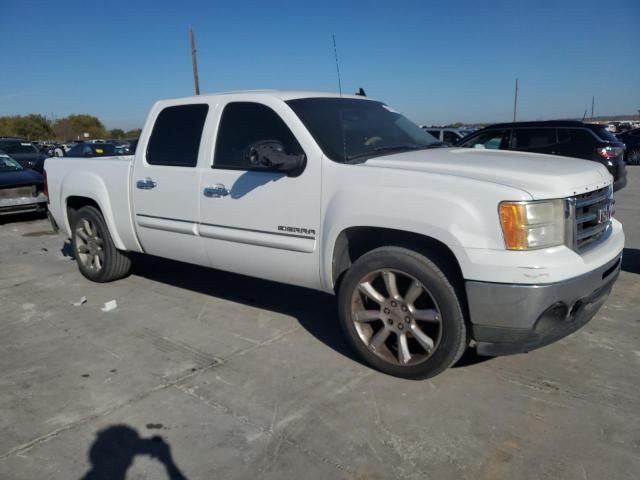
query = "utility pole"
x=515 y=102
x=194 y=61
x=593 y=101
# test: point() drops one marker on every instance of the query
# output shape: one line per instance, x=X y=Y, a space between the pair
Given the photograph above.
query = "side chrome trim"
x=294 y=243
x=167 y=224
x=283 y=241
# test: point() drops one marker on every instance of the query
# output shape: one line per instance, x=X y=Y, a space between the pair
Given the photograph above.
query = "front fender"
x=459 y=212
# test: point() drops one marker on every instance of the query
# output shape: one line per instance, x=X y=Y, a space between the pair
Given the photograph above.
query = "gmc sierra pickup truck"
x=428 y=249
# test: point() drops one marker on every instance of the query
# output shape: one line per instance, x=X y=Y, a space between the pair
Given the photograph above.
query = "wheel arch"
x=73 y=203
x=353 y=242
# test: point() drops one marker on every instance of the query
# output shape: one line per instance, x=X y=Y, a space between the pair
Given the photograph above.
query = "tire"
x=393 y=292
x=90 y=238
x=633 y=156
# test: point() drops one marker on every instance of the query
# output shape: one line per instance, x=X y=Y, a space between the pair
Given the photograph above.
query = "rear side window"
x=244 y=123
x=605 y=134
x=175 y=139
x=524 y=138
x=582 y=136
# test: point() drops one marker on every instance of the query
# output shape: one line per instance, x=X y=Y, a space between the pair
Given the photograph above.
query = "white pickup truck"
x=428 y=249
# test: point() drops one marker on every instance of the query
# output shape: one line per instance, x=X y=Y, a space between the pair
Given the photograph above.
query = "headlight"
x=531 y=225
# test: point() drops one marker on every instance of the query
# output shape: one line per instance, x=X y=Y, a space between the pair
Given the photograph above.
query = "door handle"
x=146 y=184
x=216 y=192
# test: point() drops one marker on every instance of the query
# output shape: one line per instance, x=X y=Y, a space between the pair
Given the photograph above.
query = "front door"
x=260 y=222
x=166 y=180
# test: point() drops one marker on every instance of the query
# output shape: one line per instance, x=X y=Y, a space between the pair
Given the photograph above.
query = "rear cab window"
x=175 y=138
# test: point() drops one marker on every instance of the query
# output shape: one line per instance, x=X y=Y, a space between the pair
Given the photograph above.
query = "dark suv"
x=566 y=138
x=23 y=151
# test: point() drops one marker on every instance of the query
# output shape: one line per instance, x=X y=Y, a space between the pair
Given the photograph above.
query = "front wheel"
x=94 y=250
x=401 y=313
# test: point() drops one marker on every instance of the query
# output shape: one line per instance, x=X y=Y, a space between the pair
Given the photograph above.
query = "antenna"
x=515 y=102
x=335 y=53
x=194 y=61
x=585 y=114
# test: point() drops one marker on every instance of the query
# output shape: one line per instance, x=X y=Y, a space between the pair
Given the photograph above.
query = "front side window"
x=175 y=139
x=491 y=139
x=350 y=131
x=527 y=138
x=242 y=125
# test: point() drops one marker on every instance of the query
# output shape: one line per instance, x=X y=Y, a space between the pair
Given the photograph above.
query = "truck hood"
x=541 y=176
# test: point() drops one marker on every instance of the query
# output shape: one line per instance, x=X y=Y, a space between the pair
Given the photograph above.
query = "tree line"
x=38 y=127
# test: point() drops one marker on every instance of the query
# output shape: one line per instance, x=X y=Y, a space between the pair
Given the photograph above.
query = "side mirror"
x=270 y=155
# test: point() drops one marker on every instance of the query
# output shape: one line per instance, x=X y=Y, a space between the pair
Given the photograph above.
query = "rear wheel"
x=633 y=156
x=94 y=250
x=401 y=313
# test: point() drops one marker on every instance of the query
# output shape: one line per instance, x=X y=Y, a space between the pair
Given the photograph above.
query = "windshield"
x=8 y=164
x=350 y=130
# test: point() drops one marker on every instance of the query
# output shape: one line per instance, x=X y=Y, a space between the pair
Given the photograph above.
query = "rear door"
x=260 y=222
x=166 y=181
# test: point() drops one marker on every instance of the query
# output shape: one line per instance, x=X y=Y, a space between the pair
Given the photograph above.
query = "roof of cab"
x=283 y=95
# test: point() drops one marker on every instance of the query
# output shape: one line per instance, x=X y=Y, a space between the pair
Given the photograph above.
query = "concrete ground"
x=200 y=374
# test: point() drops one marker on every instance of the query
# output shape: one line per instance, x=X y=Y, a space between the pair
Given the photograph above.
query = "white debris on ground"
x=82 y=301
x=110 y=305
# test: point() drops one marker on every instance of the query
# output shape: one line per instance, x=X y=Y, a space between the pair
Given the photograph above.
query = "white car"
x=427 y=249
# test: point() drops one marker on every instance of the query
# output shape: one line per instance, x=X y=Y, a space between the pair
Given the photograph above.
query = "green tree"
x=116 y=133
x=33 y=127
x=75 y=126
x=135 y=133
x=7 y=126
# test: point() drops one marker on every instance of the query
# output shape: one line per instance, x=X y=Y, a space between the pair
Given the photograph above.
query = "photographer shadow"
x=115 y=448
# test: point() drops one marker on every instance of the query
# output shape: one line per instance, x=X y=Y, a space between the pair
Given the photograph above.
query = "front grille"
x=19 y=192
x=593 y=213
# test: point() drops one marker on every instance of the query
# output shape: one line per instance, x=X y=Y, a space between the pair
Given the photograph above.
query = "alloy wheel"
x=89 y=245
x=400 y=328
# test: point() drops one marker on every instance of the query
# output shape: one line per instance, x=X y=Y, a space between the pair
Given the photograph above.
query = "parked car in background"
x=631 y=139
x=23 y=151
x=21 y=189
x=556 y=137
x=447 y=135
x=92 y=150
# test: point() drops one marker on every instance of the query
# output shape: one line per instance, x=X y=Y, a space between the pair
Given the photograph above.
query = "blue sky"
x=437 y=61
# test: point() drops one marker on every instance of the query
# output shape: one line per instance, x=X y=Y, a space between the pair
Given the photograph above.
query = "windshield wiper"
x=389 y=148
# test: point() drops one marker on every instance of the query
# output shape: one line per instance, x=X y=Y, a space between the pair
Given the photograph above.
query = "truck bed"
x=106 y=179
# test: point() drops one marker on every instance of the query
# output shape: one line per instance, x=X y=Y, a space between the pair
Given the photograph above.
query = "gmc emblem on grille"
x=604 y=214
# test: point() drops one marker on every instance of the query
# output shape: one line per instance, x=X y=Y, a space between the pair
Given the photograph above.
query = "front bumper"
x=510 y=318
x=22 y=204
